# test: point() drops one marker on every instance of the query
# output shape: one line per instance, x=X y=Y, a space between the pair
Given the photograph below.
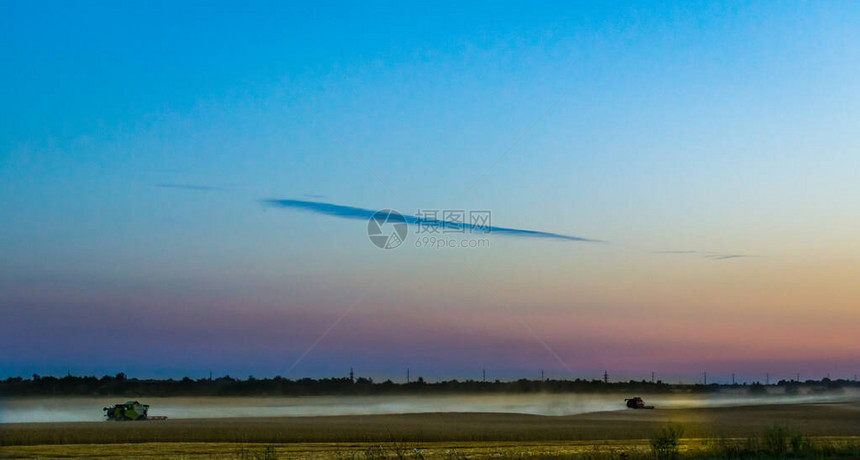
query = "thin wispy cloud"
x=708 y=254
x=351 y=212
x=727 y=256
x=197 y=188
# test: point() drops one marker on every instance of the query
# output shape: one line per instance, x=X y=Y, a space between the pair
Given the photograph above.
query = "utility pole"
x=733 y=378
x=605 y=376
x=706 y=378
x=351 y=376
x=407 y=375
x=652 y=376
x=483 y=374
x=767 y=378
x=542 y=379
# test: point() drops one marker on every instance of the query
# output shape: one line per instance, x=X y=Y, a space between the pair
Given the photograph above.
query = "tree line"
x=120 y=384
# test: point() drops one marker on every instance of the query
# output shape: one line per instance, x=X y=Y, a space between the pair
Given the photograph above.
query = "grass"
x=777 y=442
x=693 y=449
x=376 y=450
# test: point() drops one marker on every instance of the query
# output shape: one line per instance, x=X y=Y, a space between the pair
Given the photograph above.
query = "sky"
x=189 y=187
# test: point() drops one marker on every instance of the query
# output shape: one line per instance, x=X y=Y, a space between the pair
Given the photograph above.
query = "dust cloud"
x=83 y=409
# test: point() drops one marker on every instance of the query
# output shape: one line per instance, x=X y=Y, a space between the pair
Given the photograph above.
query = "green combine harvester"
x=130 y=410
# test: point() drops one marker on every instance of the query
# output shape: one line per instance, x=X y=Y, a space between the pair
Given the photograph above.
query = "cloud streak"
x=727 y=256
x=708 y=255
x=351 y=212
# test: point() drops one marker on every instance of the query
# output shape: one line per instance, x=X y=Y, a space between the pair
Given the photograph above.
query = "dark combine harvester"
x=637 y=403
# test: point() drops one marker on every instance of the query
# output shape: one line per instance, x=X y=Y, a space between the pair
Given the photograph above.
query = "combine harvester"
x=130 y=410
x=637 y=403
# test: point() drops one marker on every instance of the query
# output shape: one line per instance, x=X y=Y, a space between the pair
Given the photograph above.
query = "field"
x=614 y=434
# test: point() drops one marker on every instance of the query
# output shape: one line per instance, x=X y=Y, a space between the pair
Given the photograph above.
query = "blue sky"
x=719 y=128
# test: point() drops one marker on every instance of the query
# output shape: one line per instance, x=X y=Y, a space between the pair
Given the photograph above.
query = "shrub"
x=799 y=444
x=775 y=440
x=665 y=442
